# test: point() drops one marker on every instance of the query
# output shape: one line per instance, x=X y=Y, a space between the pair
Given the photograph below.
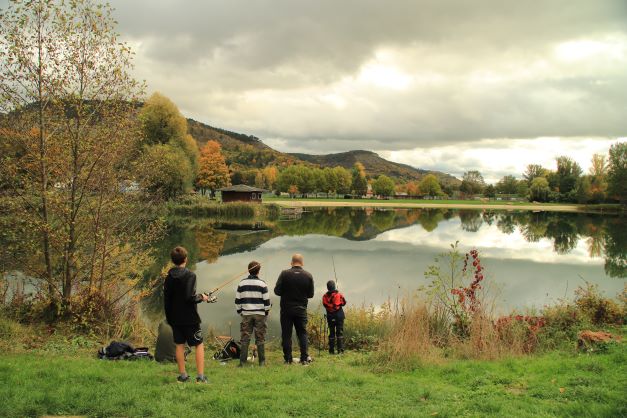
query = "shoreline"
x=344 y=203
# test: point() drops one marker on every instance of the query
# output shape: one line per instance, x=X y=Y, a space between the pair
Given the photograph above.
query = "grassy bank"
x=557 y=384
x=452 y=204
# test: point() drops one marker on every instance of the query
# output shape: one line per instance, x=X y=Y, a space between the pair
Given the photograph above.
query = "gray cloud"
x=265 y=67
x=311 y=75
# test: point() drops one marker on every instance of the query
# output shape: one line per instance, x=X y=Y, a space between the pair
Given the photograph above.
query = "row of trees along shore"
x=606 y=181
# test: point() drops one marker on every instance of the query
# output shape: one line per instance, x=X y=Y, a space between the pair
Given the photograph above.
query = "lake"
x=531 y=258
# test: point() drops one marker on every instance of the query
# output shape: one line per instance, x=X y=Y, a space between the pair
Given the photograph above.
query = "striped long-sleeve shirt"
x=252 y=297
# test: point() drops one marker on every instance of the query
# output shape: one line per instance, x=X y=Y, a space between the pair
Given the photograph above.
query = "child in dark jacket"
x=333 y=302
x=180 y=300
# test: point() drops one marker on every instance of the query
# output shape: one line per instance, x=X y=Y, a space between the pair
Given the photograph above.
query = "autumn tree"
x=163 y=124
x=617 y=172
x=522 y=189
x=583 y=189
x=164 y=171
x=336 y=180
x=507 y=185
x=289 y=179
x=383 y=186
x=567 y=174
x=212 y=171
x=534 y=170
x=489 y=191
x=430 y=186
x=598 y=178
x=69 y=104
x=161 y=120
x=413 y=188
x=360 y=184
x=472 y=182
x=598 y=166
x=270 y=175
x=539 y=189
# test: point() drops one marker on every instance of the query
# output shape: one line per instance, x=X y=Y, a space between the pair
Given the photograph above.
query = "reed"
x=203 y=207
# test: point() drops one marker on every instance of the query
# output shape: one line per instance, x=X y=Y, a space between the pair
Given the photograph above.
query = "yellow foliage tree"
x=270 y=175
x=212 y=170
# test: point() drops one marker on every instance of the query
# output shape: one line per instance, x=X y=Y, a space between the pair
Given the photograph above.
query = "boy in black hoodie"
x=333 y=302
x=180 y=300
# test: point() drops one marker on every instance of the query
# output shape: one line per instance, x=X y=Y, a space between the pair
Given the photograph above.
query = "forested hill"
x=374 y=165
x=247 y=152
x=242 y=152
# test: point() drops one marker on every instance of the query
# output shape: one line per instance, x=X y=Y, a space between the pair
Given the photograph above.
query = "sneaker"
x=182 y=378
x=202 y=379
x=288 y=362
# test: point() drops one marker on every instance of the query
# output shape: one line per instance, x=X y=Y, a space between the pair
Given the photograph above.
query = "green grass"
x=272 y=198
x=592 y=385
x=603 y=207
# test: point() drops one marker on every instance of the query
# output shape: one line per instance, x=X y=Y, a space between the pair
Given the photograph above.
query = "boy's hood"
x=178 y=272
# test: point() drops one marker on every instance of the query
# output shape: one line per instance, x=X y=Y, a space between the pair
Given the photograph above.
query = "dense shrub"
x=364 y=329
x=598 y=309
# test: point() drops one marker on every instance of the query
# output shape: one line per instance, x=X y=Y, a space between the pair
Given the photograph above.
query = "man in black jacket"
x=180 y=300
x=294 y=286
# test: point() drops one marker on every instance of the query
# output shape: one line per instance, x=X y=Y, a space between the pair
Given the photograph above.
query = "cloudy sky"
x=448 y=85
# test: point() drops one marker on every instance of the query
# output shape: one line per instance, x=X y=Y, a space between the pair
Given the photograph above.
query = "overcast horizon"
x=441 y=85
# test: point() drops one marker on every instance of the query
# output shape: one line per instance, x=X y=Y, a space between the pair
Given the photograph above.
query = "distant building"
x=128 y=186
x=241 y=193
x=369 y=193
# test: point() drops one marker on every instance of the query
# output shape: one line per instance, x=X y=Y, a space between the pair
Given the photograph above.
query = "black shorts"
x=190 y=334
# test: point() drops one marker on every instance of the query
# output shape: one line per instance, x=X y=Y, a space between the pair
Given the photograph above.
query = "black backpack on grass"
x=123 y=351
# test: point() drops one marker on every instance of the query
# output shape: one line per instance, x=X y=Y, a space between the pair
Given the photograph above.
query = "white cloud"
x=495 y=158
x=492 y=242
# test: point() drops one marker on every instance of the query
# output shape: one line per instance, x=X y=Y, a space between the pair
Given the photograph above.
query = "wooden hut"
x=241 y=193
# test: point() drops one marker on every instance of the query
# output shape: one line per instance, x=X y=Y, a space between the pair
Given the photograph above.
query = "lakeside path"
x=347 y=203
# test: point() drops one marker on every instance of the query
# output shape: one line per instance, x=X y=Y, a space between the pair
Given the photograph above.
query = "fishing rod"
x=334 y=273
x=215 y=290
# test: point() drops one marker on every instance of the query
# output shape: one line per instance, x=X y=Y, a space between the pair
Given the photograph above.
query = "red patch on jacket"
x=333 y=301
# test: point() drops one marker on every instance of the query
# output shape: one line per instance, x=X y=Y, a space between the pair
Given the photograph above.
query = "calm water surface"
x=532 y=258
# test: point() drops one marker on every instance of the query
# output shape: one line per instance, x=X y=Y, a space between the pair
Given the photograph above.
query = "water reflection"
x=534 y=257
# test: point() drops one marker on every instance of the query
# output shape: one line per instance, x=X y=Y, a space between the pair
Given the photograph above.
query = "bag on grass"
x=230 y=349
x=123 y=351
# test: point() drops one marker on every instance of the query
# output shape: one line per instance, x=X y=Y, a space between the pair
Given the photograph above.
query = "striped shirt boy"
x=252 y=297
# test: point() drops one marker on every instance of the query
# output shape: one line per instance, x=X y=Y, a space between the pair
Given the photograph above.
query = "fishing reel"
x=211 y=298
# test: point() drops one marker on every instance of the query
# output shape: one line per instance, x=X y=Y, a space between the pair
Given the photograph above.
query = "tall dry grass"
x=411 y=335
x=422 y=332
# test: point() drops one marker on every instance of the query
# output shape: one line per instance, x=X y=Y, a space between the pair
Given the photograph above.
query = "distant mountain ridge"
x=375 y=165
x=249 y=152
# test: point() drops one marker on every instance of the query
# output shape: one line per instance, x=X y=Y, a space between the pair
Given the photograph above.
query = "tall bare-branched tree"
x=69 y=121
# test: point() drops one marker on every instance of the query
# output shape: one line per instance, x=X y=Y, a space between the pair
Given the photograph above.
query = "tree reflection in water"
x=207 y=239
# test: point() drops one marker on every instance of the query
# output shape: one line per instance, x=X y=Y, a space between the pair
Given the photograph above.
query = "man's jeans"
x=298 y=320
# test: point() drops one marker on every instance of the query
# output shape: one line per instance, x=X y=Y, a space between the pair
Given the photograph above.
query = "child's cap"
x=330 y=285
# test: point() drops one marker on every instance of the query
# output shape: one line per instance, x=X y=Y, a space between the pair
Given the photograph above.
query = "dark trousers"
x=298 y=320
x=250 y=323
x=336 y=331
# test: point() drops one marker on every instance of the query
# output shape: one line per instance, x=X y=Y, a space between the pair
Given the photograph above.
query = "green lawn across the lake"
x=556 y=384
x=422 y=201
